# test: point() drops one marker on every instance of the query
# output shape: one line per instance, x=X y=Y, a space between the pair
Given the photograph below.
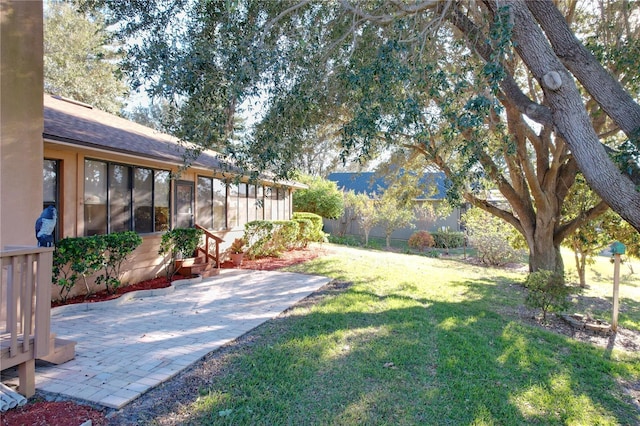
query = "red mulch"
x=67 y=413
x=43 y=413
x=103 y=295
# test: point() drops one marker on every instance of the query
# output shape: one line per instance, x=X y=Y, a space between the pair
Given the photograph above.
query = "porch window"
x=259 y=202
x=51 y=195
x=251 y=204
x=95 y=197
x=274 y=203
x=120 y=197
x=211 y=203
x=242 y=204
x=233 y=205
x=161 y=197
x=268 y=211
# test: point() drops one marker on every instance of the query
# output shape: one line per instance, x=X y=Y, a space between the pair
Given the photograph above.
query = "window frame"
x=130 y=170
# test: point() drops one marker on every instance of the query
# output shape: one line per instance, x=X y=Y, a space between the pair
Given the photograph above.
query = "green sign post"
x=617 y=248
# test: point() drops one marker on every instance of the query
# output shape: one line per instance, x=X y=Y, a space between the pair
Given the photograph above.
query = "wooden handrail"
x=208 y=235
x=25 y=276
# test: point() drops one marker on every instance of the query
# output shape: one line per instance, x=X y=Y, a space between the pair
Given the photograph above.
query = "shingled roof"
x=370 y=182
x=76 y=123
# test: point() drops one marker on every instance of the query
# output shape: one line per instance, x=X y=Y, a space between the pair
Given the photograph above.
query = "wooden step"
x=61 y=351
x=203 y=269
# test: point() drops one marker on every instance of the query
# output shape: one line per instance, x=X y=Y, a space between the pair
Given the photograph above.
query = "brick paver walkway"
x=124 y=348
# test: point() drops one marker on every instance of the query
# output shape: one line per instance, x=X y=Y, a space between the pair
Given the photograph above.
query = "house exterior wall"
x=144 y=262
x=21 y=120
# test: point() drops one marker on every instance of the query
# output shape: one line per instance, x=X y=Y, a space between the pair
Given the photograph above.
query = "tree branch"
x=608 y=92
x=474 y=36
x=568 y=228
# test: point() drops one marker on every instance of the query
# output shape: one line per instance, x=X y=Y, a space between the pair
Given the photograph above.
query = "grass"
x=416 y=340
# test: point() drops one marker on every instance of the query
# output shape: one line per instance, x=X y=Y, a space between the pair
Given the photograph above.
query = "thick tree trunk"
x=544 y=253
x=571 y=119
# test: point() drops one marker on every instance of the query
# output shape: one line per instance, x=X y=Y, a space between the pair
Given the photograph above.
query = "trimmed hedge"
x=270 y=238
x=448 y=239
x=305 y=232
x=316 y=233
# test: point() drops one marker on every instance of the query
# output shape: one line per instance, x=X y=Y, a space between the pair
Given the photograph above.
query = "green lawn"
x=416 y=340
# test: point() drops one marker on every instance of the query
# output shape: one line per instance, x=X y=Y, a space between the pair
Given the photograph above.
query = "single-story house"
x=106 y=174
x=371 y=183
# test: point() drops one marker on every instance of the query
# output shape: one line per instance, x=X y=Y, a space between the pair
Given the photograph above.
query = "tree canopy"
x=80 y=59
x=495 y=94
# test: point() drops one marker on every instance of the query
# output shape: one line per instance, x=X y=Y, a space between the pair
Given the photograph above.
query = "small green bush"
x=492 y=238
x=270 y=238
x=257 y=233
x=448 y=239
x=317 y=235
x=76 y=258
x=284 y=236
x=547 y=291
x=305 y=232
x=182 y=241
x=116 y=248
x=421 y=240
x=345 y=240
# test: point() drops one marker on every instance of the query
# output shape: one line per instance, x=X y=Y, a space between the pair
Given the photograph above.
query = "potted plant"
x=236 y=251
x=180 y=244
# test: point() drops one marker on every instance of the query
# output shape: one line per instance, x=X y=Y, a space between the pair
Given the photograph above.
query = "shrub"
x=74 y=258
x=284 y=236
x=420 y=240
x=304 y=233
x=116 y=248
x=316 y=233
x=448 y=239
x=547 y=291
x=345 y=240
x=270 y=238
x=491 y=237
x=322 y=197
x=183 y=241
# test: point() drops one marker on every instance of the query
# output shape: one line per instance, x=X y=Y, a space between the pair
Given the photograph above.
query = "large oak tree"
x=496 y=94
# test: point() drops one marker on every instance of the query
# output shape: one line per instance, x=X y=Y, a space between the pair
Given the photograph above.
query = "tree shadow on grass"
x=405 y=360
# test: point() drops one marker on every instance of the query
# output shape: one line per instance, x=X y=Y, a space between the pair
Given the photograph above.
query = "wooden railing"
x=211 y=246
x=25 y=312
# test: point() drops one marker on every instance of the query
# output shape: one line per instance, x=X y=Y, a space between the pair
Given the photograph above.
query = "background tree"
x=81 y=58
x=363 y=208
x=594 y=236
x=394 y=210
x=156 y=115
x=322 y=197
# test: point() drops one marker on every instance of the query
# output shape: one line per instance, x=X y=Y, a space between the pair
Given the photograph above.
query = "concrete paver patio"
x=126 y=347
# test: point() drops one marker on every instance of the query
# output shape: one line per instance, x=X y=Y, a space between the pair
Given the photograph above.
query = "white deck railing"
x=25 y=310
